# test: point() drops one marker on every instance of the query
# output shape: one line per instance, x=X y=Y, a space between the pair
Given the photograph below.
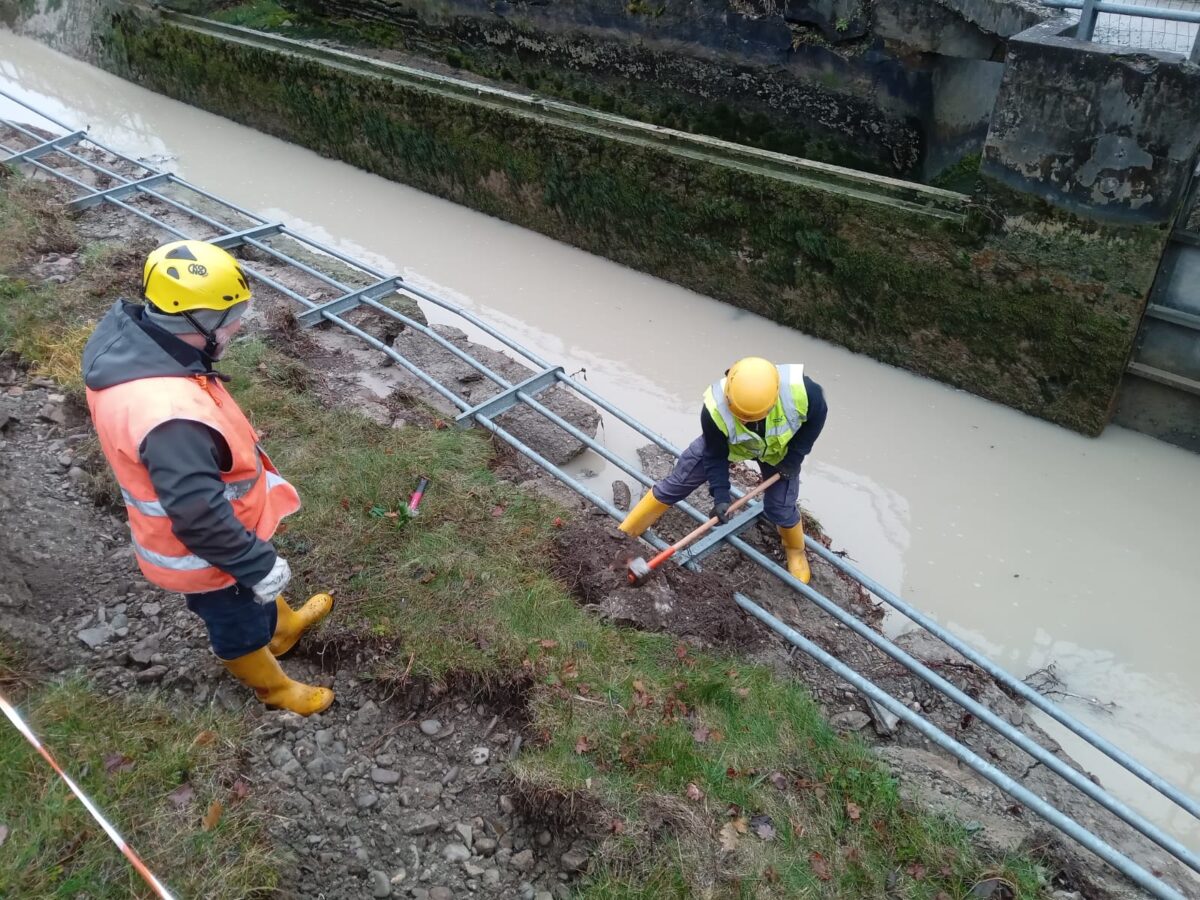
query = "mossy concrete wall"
x=844 y=81
x=1013 y=302
x=1110 y=131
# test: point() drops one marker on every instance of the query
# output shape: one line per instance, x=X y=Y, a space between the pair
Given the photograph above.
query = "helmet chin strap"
x=210 y=337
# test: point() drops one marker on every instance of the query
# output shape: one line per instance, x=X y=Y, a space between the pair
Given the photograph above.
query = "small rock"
x=455 y=853
x=544 y=839
x=472 y=870
x=491 y=877
x=423 y=823
x=479 y=755
x=151 y=675
x=851 y=720
x=621 y=496
x=573 y=860
x=523 y=861
x=367 y=713
x=281 y=756
x=430 y=727
x=143 y=651
x=440 y=893
x=886 y=722
x=120 y=620
x=151 y=609
x=65 y=459
x=96 y=637
x=543 y=895
x=466 y=833
x=366 y=799
x=384 y=776
x=485 y=846
x=53 y=412
x=381 y=886
x=76 y=475
x=506 y=804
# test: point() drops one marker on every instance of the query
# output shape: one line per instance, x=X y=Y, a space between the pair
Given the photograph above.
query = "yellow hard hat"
x=751 y=387
x=185 y=276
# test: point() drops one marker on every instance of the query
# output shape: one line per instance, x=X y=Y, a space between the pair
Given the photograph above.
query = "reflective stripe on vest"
x=782 y=421
x=124 y=414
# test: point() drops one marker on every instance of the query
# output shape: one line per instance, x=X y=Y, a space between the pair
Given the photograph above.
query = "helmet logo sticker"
x=197 y=269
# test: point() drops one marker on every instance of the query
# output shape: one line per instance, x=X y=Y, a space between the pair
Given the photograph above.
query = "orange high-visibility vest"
x=125 y=413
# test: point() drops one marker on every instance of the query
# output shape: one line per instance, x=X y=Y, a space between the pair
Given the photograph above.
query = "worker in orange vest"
x=202 y=497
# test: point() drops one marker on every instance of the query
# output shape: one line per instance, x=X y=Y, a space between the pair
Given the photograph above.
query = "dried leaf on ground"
x=212 y=818
x=3 y=834
x=584 y=744
x=742 y=824
x=853 y=810
x=779 y=780
x=117 y=762
x=763 y=827
x=181 y=796
x=916 y=871
x=820 y=865
x=771 y=874
x=742 y=692
x=241 y=790
x=497 y=511
x=681 y=651
x=204 y=738
x=616 y=826
x=728 y=837
x=547 y=643
x=700 y=734
x=693 y=792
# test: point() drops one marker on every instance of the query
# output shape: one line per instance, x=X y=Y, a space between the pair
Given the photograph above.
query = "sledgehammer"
x=640 y=570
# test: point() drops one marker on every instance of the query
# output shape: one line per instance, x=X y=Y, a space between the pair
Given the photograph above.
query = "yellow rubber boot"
x=291 y=623
x=643 y=515
x=260 y=670
x=793 y=546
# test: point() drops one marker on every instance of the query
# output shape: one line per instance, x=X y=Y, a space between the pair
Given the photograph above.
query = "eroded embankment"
x=653 y=739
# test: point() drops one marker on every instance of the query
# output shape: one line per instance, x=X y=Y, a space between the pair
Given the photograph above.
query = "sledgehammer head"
x=639 y=571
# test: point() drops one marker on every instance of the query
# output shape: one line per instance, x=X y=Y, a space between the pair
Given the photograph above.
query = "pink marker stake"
x=415 y=500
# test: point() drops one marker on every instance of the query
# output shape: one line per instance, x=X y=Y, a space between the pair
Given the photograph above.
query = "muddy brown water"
x=1035 y=544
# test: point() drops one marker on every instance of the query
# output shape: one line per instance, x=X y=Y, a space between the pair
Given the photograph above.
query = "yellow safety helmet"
x=751 y=387
x=185 y=276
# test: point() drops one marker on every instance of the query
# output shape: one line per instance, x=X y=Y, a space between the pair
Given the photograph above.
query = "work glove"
x=721 y=511
x=272 y=586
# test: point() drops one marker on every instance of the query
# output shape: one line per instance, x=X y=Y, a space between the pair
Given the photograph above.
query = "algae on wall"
x=1039 y=313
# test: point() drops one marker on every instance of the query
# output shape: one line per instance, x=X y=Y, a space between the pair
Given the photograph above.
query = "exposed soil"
x=593 y=561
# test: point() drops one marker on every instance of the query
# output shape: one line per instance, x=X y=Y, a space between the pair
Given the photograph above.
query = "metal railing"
x=1090 y=12
x=133 y=186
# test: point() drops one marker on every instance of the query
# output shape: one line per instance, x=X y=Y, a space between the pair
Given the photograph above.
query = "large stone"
x=384 y=776
x=526 y=425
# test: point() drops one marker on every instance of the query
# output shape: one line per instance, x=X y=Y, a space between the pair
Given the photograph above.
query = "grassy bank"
x=697 y=771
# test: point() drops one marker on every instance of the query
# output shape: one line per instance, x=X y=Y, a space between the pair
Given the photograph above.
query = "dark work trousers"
x=237 y=623
x=779 y=501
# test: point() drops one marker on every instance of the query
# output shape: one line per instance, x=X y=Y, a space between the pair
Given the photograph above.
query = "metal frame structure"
x=1090 y=10
x=130 y=190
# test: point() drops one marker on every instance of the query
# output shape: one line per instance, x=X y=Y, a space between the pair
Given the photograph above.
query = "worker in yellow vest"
x=759 y=411
x=202 y=497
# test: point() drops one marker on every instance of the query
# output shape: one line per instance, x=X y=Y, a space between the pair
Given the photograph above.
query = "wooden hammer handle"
x=666 y=554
